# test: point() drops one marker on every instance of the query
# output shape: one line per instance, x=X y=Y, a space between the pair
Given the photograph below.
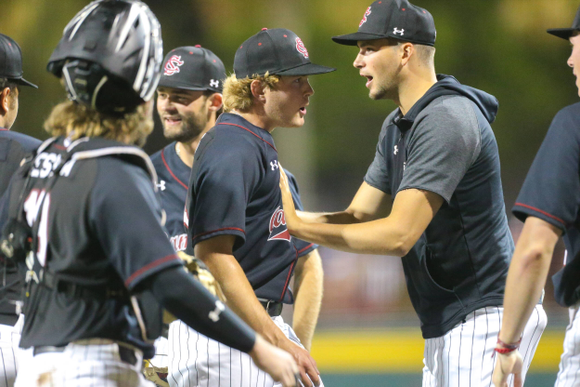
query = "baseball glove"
x=157 y=375
x=198 y=269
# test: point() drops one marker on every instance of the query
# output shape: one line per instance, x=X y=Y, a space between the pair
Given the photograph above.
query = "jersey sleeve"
x=377 y=175
x=126 y=215
x=445 y=142
x=225 y=172
x=551 y=190
x=302 y=247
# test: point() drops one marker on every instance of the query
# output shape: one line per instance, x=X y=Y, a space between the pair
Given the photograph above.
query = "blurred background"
x=368 y=333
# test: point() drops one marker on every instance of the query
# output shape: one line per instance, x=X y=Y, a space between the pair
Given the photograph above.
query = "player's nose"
x=358 y=61
x=570 y=62
x=309 y=90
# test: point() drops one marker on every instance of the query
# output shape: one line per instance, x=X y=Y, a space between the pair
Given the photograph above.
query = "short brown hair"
x=9 y=83
x=238 y=92
x=67 y=116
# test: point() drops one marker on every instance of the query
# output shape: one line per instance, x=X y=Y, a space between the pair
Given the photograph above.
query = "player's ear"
x=407 y=50
x=258 y=90
x=4 y=101
x=216 y=101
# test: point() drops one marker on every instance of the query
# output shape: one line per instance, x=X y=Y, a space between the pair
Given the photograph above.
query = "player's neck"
x=412 y=91
x=257 y=119
x=186 y=150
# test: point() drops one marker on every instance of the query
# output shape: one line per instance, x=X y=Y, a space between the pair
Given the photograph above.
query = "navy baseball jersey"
x=88 y=230
x=234 y=190
x=173 y=176
x=13 y=148
x=445 y=145
x=551 y=192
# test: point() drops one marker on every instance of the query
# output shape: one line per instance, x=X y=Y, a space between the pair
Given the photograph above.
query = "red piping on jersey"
x=306 y=248
x=219 y=229
x=289 y=275
x=150 y=266
x=541 y=212
x=169 y=169
x=3 y=129
x=240 y=126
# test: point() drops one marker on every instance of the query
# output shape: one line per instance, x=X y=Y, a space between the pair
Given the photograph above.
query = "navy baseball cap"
x=565 y=33
x=277 y=51
x=193 y=68
x=397 y=19
x=11 y=61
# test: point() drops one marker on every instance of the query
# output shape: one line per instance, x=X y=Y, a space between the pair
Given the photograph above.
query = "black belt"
x=126 y=354
x=272 y=307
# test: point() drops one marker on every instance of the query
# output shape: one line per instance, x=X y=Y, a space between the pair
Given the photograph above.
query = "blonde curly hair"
x=68 y=116
x=238 y=93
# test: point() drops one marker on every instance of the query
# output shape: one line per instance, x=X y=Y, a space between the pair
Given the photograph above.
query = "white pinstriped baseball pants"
x=197 y=361
x=463 y=357
x=9 y=339
x=83 y=363
x=569 y=374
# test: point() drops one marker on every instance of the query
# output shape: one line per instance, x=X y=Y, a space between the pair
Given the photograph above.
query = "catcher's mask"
x=110 y=56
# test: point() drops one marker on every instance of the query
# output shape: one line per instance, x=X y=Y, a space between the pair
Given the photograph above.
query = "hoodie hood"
x=448 y=85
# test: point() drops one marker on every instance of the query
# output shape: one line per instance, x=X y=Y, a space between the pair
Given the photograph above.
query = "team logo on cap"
x=278 y=229
x=172 y=65
x=364 y=19
x=301 y=49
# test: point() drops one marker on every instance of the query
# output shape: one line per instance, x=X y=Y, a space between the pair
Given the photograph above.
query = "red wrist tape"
x=503 y=351
x=507 y=348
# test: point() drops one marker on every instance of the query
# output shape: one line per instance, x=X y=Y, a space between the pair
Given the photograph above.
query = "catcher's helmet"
x=110 y=56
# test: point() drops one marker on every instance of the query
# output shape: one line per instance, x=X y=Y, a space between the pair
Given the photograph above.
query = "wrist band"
x=503 y=351
x=511 y=347
x=507 y=348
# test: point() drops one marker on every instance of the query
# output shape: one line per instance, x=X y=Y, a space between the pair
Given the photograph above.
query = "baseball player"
x=437 y=160
x=13 y=148
x=236 y=220
x=189 y=99
x=549 y=206
x=84 y=219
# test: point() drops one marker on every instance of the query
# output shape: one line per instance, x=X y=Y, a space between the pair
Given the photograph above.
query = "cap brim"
x=175 y=85
x=306 y=69
x=352 y=39
x=563 y=33
x=24 y=82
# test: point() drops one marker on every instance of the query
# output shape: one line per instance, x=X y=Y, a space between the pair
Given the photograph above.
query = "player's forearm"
x=381 y=237
x=241 y=297
x=526 y=277
x=189 y=301
x=342 y=217
x=308 y=284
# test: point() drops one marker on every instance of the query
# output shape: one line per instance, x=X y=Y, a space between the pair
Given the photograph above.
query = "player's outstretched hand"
x=309 y=374
x=290 y=215
x=507 y=364
x=276 y=362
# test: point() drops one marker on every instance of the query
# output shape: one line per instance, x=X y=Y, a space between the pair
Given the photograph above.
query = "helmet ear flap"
x=89 y=84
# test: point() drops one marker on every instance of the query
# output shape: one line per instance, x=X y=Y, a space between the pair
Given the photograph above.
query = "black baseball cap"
x=565 y=33
x=397 y=19
x=277 y=51
x=11 y=61
x=193 y=68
